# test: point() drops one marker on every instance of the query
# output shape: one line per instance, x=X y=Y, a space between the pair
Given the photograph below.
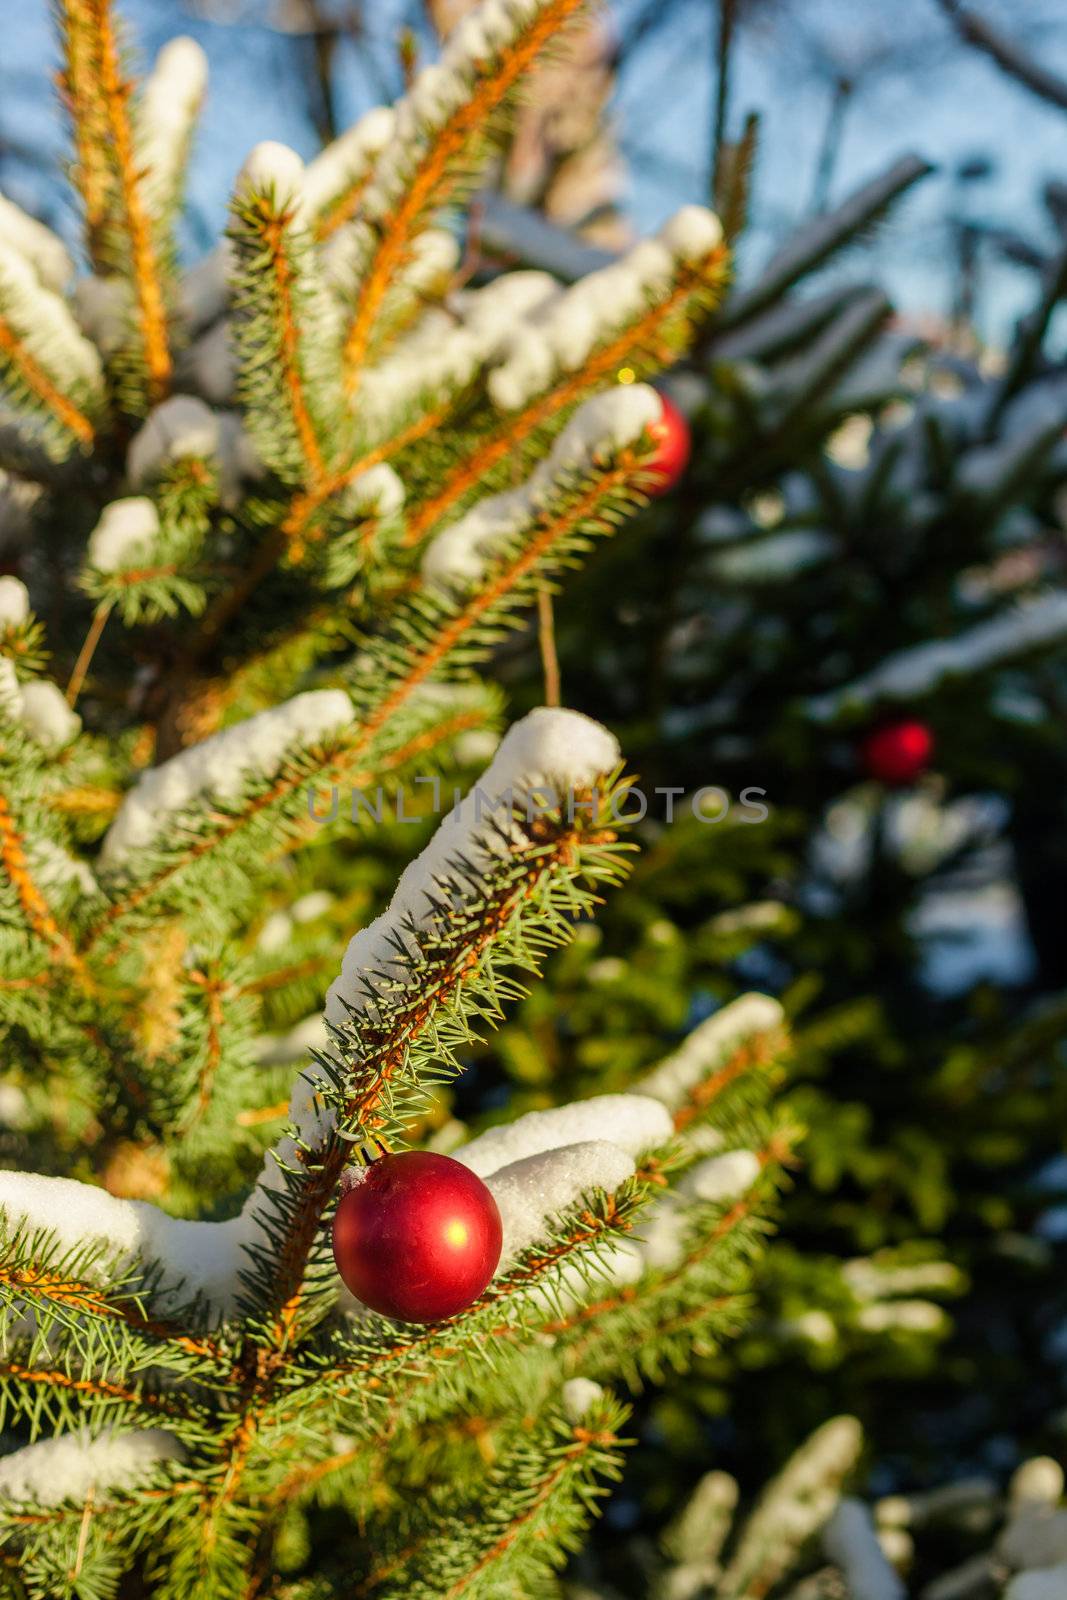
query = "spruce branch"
x=641 y=347
x=144 y=262
x=455 y=150
x=279 y=326
x=81 y=90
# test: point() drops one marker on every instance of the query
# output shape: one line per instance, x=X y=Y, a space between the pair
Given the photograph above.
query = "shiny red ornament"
x=417 y=1236
x=897 y=753
x=673 y=447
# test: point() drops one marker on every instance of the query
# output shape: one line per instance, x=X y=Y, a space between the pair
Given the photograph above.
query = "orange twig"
x=148 y=288
x=430 y=186
x=40 y=384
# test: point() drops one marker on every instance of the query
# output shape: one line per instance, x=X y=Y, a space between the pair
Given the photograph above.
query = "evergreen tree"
x=266 y=519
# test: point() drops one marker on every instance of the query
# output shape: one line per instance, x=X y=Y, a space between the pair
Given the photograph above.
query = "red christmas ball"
x=897 y=753
x=673 y=444
x=417 y=1236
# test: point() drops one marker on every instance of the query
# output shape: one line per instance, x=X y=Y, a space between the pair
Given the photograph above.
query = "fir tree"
x=282 y=507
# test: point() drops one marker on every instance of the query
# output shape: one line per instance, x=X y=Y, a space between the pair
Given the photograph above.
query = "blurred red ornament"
x=897 y=753
x=417 y=1236
x=673 y=446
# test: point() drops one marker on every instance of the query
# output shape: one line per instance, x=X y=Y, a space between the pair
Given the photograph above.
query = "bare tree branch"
x=1007 y=54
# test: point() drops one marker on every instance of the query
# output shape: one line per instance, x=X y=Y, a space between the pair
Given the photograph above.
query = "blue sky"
x=929 y=94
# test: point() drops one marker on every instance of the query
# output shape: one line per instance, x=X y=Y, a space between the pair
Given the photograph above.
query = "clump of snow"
x=181 y=426
x=378 y=492
x=346 y=161
x=607 y=423
x=271 y=166
x=560 y=335
x=917 y=671
x=631 y=1121
x=530 y=1191
x=70 y=1466
x=692 y=233
x=212 y=363
x=1048 y=1585
x=722 y=1178
x=580 y=1395
x=219 y=767
x=558 y=749
x=54 y=868
x=771 y=560
x=124 y=536
x=850 y=1541
x=710 y=1046
x=166 y=115
x=103 y=306
x=43 y=249
x=14 y=602
x=1038 y=1482
x=43 y=321
x=46 y=715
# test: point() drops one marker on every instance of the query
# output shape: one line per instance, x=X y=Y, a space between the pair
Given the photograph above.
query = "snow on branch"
x=921 y=669
x=444 y=132
x=850 y=1541
x=561 y=337
x=52 y=369
x=43 y=249
x=605 y=425
x=283 y=322
x=334 y=180
x=724 y=1039
x=219 y=768
x=165 y=119
x=447 y=349
x=561 y=749
x=74 y=1465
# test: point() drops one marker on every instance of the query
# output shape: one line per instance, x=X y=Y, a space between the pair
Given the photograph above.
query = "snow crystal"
x=220 y=766
x=560 y=749
x=181 y=426
x=47 y=716
x=580 y=1395
x=850 y=1541
x=14 y=602
x=710 y=1046
x=606 y=423
x=915 y=672
x=124 y=535
x=631 y=1121
x=68 y=1467
x=47 y=253
x=530 y=1191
